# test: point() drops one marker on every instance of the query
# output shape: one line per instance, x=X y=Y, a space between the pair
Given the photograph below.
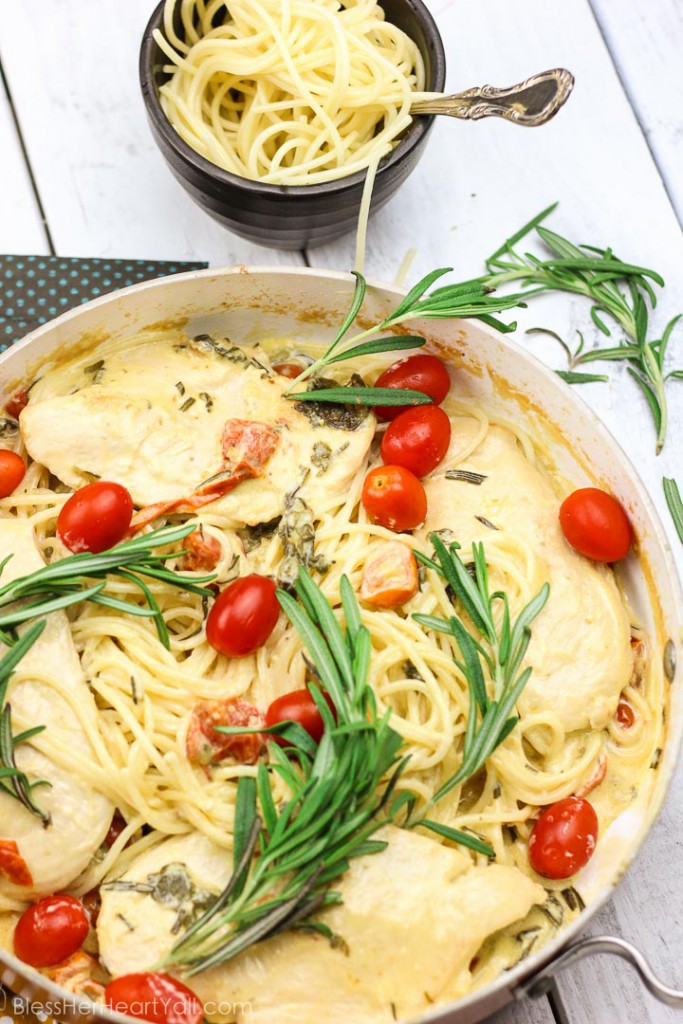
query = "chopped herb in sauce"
x=181 y=388
x=173 y=888
x=187 y=404
x=410 y=671
x=466 y=476
x=333 y=414
x=207 y=400
x=8 y=427
x=573 y=899
x=251 y=536
x=656 y=758
x=135 y=694
x=321 y=457
x=487 y=523
x=94 y=367
x=297 y=536
x=224 y=349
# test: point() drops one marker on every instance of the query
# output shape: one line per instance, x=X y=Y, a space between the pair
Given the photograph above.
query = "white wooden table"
x=80 y=176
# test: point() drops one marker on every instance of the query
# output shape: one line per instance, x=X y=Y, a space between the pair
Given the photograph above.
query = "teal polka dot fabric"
x=35 y=289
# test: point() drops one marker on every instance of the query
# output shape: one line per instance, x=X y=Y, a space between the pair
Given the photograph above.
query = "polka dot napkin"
x=34 y=289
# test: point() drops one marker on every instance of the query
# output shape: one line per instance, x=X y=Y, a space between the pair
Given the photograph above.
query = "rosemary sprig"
x=471 y=299
x=13 y=780
x=68 y=580
x=340 y=791
x=675 y=504
x=490 y=719
x=619 y=291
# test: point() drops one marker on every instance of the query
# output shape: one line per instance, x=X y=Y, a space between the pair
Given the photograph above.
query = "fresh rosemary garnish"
x=339 y=791
x=343 y=790
x=490 y=719
x=471 y=299
x=675 y=504
x=13 y=780
x=619 y=291
x=364 y=396
x=67 y=581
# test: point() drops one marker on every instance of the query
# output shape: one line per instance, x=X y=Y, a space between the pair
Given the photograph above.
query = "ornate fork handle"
x=531 y=102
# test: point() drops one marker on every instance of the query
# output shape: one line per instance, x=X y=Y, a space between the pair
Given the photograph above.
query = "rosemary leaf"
x=674 y=503
x=364 y=396
x=573 y=377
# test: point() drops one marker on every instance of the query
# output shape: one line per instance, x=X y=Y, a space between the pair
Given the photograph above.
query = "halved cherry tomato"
x=393 y=497
x=205 y=746
x=298 y=706
x=291 y=370
x=12 y=471
x=625 y=716
x=154 y=997
x=564 y=838
x=596 y=525
x=390 y=577
x=416 y=373
x=243 y=616
x=203 y=552
x=95 y=518
x=17 y=403
x=418 y=439
x=12 y=865
x=50 y=930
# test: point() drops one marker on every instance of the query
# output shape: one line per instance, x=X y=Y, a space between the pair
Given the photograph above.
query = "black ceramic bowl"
x=292 y=216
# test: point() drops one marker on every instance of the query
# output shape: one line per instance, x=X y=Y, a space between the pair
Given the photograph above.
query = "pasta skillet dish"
x=337 y=699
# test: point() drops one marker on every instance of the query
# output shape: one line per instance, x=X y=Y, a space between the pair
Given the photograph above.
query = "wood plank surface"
x=646 y=43
x=104 y=185
x=21 y=228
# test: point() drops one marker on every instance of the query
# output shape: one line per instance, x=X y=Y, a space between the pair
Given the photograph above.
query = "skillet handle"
x=543 y=980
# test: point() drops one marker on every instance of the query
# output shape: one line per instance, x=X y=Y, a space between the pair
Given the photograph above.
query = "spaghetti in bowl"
x=510 y=425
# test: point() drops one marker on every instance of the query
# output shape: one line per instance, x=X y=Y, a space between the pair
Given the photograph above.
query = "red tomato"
x=206 y=746
x=50 y=930
x=17 y=403
x=626 y=716
x=298 y=706
x=12 y=471
x=415 y=373
x=243 y=616
x=95 y=518
x=596 y=525
x=393 y=497
x=291 y=370
x=154 y=997
x=390 y=577
x=203 y=552
x=418 y=439
x=563 y=839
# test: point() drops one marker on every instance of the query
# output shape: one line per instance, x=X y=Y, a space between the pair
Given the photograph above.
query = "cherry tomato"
x=564 y=837
x=418 y=439
x=626 y=716
x=416 y=373
x=243 y=616
x=12 y=471
x=393 y=497
x=298 y=706
x=95 y=518
x=291 y=370
x=50 y=930
x=390 y=577
x=17 y=403
x=203 y=552
x=154 y=997
x=596 y=525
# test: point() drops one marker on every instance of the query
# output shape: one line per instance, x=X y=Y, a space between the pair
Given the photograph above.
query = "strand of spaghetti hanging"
x=342 y=790
x=471 y=299
x=68 y=581
x=13 y=781
x=619 y=291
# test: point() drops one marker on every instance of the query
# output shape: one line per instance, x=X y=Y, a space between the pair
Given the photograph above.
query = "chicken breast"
x=154 y=414
x=580 y=647
x=411 y=920
x=79 y=815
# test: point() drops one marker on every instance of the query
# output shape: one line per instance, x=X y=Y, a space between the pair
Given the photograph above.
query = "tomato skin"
x=390 y=577
x=291 y=370
x=418 y=439
x=625 y=715
x=243 y=616
x=416 y=373
x=298 y=706
x=51 y=930
x=394 y=498
x=96 y=517
x=596 y=525
x=154 y=997
x=12 y=471
x=17 y=403
x=564 y=838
